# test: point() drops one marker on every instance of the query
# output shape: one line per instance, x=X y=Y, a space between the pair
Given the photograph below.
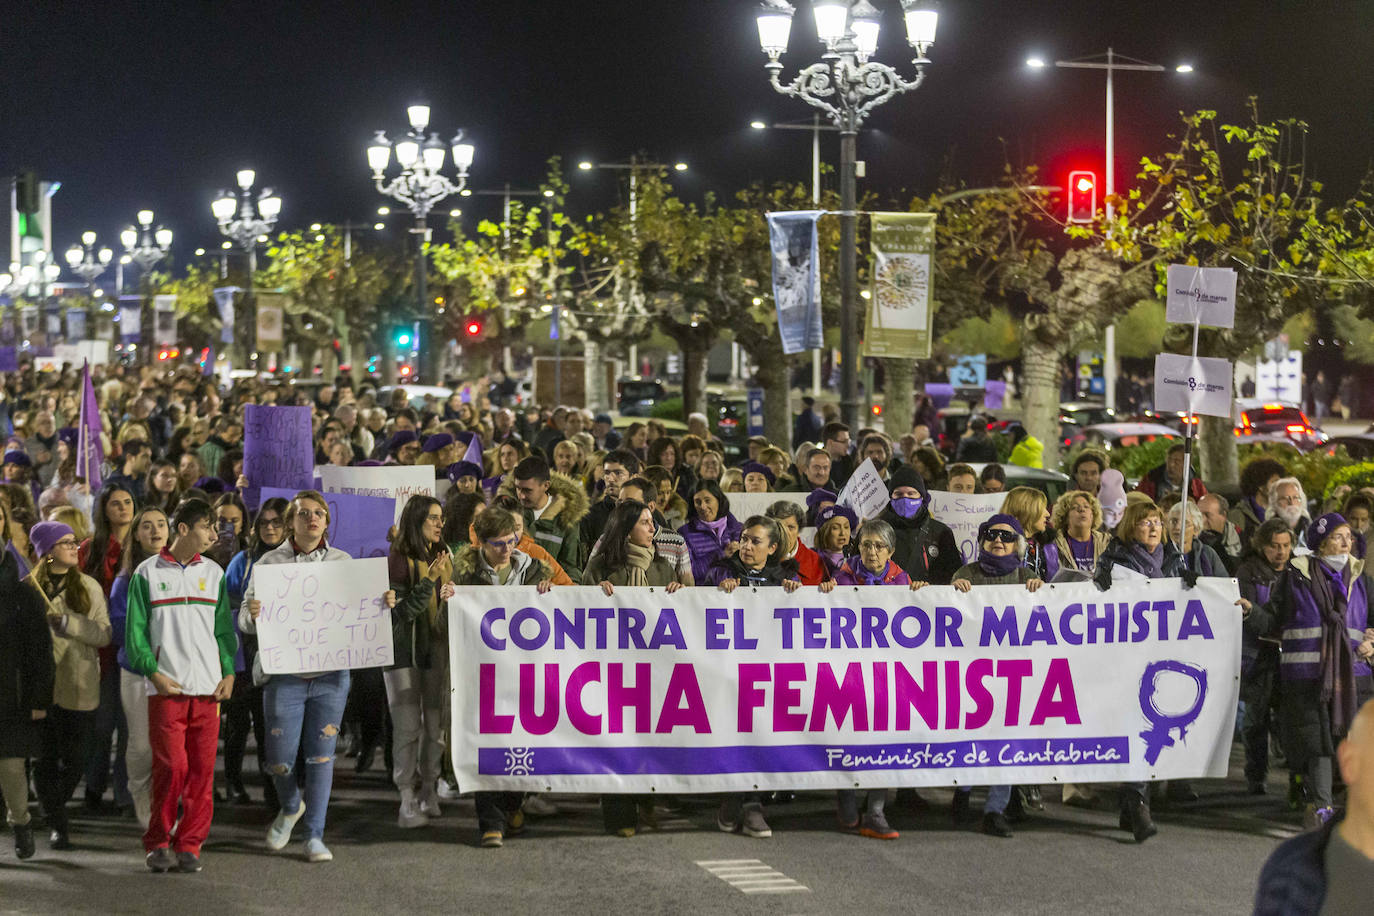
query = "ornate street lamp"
x=144 y=244
x=420 y=185
x=17 y=280
x=244 y=220
x=846 y=85
x=86 y=261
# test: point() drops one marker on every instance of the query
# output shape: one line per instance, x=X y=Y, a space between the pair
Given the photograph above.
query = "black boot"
x=23 y=841
x=58 y=839
x=995 y=824
x=1142 y=827
x=960 y=807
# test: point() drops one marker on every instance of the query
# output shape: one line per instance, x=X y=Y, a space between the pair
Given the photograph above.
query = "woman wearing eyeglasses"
x=244 y=707
x=1001 y=553
x=80 y=625
x=494 y=560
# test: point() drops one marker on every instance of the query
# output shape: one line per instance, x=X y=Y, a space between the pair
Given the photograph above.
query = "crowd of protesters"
x=128 y=615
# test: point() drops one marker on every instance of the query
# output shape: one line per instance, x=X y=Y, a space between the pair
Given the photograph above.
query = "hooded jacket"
x=470 y=569
x=926 y=550
x=558 y=530
x=1028 y=453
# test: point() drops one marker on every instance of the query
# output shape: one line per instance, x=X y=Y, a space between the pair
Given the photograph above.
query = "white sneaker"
x=410 y=815
x=279 y=834
x=538 y=806
x=429 y=803
x=316 y=851
x=448 y=790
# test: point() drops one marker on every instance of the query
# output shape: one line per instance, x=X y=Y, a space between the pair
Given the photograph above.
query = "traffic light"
x=403 y=337
x=472 y=327
x=1082 y=197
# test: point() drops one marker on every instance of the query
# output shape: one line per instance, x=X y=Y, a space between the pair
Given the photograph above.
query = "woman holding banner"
x=303 y=711
x=493 y=559
x=244 y=708
x=627 y=558
x=834 y=527
x=421 y=570
x=1001 y=552
x=711 y=533
x=1321 y=608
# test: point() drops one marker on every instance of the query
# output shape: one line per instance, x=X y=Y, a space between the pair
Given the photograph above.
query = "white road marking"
x=751 y=876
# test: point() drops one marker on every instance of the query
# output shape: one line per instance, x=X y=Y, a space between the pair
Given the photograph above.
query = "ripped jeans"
x=304 y=714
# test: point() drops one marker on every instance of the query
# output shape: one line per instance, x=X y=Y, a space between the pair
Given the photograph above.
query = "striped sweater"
x=179 y=623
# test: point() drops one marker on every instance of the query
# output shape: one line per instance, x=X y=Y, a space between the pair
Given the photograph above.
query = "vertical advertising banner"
x=224 y=301
x=271 y=316
x=797 y=278
x=899 y=314
x=130 y=319
x=76 y=324
x=164 y=320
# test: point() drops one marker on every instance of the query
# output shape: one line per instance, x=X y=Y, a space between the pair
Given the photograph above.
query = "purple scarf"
x=1151 y=562
x=993 y=565
x=717 y=528
x=863 y=574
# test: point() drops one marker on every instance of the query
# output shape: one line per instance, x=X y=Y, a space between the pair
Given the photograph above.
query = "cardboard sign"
x=1202 y=385
x=358 y=525
x=395 y=481
x=323 y=616
x=1205 y=295
x=865 y=492
x=278 y=447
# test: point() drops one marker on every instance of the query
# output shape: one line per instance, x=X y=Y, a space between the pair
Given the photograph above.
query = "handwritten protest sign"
x=865 y=492
x=277 y=447
x=577 y=691
x=397 y=482
x=323 y=616
x=963 y=513
x=358 y=525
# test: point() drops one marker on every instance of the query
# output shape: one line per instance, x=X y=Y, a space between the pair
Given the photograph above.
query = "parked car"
x=1280 y=419
x=1086 y=413
x=1052 y=483
x=1124 y=435
x=729 y=419
x=1359 y=446
x=636 y=396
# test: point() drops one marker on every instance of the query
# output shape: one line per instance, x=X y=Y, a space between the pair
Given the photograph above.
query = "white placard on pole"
x=865 y=492
x=1199 y=384
x=1201 y=295
x=323 y=616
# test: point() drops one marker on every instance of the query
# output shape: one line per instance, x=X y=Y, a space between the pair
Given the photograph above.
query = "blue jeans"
x=998 y=798
x=304 y=714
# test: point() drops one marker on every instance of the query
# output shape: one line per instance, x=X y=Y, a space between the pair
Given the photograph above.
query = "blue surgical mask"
x=907 y=507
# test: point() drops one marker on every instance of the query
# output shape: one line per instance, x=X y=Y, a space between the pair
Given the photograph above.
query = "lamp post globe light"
x=419 y=185
x=245 y=220
x=846 y=85
x=144 y=244
x=17 y=280
x=86 y=261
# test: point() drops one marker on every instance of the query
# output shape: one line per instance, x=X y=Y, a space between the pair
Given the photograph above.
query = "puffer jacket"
x=926 y=549
x=558 y=530
x=703 y=546
x=852 y=572
x=469 y=569
x=74 y=650
x=1259 y=638
x=1119 y=553
x=974 y=574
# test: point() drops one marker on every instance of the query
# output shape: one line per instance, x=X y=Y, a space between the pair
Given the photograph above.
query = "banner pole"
x=1188 y=451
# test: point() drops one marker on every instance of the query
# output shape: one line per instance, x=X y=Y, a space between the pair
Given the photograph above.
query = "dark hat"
x=837 y=511
x=905 y=476
x=1000 y=518
x=463 y=469
x=45 y=535
x=464 y=437
x=211 y=485
x=818 y=496
x=404 y=437
x=758 y=467
x=14 y=456
x=69 y=435
x=436 y=442
x=1318 y=530
x=603 y=418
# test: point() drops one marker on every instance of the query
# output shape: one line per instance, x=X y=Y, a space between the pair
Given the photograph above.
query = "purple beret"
x=758 y=467
x=14 y=456
x=1318 y=530
x=69 y=435
x=404 y=437
x=1001 y=518
x=45 y=535
x=436 y=442
x=463 y=469
x=837 y=511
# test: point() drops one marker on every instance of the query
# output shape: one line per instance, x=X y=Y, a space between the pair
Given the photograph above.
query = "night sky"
x=157 y=104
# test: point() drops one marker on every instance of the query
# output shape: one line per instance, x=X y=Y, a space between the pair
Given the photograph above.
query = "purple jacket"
x=703 y=546
x=851 y=573
x=1302 y=621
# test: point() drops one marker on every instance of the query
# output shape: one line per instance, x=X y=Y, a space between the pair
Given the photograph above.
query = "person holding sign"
x=180 y=635
x=421 y=570
x=492 y=560
x=1001 y=552
x=303 y=711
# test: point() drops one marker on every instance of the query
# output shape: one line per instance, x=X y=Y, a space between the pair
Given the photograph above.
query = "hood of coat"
x=570 y=502
x=467 y=564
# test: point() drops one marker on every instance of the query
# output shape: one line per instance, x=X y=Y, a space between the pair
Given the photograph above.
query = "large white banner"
x=400 y=482
x=323 y=616
x=700 y=691
x=963 y=513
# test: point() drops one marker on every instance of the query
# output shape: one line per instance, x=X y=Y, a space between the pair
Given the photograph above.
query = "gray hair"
x=785 y=508
x=1274 y=488
x=878 y=528
x=1195 y=521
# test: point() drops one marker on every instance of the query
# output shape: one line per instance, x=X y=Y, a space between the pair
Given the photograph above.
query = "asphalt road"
x=1064 y=860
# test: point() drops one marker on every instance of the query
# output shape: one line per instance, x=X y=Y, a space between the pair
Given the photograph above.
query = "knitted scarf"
x=1337 y=659
x=637 y=564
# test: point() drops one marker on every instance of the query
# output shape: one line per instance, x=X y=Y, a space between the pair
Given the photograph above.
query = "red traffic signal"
x=472 y=327
x=1082 y=197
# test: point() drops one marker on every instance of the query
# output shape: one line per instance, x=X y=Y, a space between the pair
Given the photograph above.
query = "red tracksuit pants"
x=184 y=734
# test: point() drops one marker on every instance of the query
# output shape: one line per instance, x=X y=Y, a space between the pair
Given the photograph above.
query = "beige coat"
x=77 y=686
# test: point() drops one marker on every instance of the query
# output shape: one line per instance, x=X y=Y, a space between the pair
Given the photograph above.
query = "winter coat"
x=1247 y=520
x=977 y=449
x=77 y=684
x=469 y=569
x=1028 y=453
x=660 y=572
x=1153 y=484
x=1293 y=880
x=705 y=549
x=732 y=568
x=1119 y=553
x=558 y=529
x=974 y=574
x=412 y=638
x=1259 y=645
x=27 y=668
x=1204 y=561
x=527 y=545
x=926 y=549
x=1099 y=541
x=850 y=573
x=806 y=566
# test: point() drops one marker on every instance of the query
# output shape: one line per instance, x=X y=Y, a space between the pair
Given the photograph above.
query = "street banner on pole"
x=699 y=691
x=271 y=315
x=797 y=278
x=899 y=313
x=1201 y=384
x=76 y=325
x=1201 y=295
x=323 y=616
x=224 y=301
x=164 y=320
x=864 y=492
x=130 y=319
x=963 y=513
x=278 y=447
x=395 y=481
x=90 y=452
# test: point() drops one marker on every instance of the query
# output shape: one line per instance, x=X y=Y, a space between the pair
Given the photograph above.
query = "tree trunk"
x=1217 y=451
x=358 y=359
x=1040 y=395
x=386 y=366
x=771 y=374
x=693 y=378
x=329 y=363
x=898 y=403
x=593 y=352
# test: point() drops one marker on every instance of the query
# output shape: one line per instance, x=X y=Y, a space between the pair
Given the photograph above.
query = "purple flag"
x=474 y=451
x=278 y=447
x=90 y=454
